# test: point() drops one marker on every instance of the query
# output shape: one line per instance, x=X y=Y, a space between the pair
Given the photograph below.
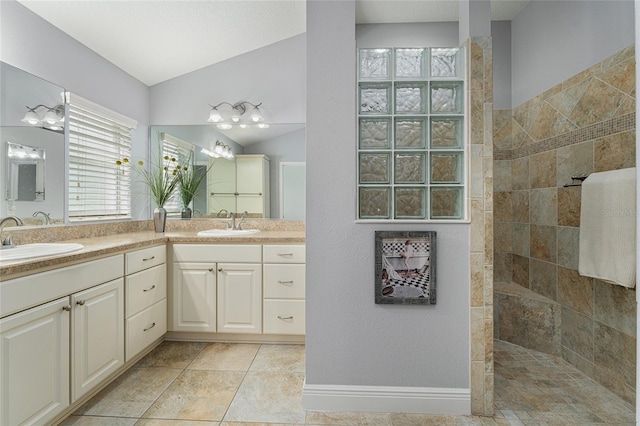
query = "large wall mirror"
x=280 y=143
x=26 y=185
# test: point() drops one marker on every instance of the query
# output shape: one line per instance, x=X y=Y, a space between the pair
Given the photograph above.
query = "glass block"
x=446 y=133
x=375 y=98
x=374 y=168
x=410 y=168
x=410 y=203
x=410 y=133
x=375 y=133
x=374 y=203
x=445 y=62
x=446 y=203
x=446 y=167
x=410 y=63
x=446 y=98
x=374 y=64
x=410 y=98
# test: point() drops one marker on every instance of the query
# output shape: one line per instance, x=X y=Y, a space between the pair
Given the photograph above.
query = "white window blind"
x=98 y=187
x=182 y=151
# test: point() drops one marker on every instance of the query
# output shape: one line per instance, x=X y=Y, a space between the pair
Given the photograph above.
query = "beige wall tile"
x=543 y=242
x=543 y=206
x=543 y=278
x=615 y=152
x=574 y=160
x=543 y=170
x=615 y=306
x=575 y=291
x=569 y=206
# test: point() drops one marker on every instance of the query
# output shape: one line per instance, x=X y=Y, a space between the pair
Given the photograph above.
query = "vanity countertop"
x=96 y=247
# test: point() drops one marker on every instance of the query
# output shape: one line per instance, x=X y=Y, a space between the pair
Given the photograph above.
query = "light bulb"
x=255 y=115
x=224 y=126
x=214 y=116
x=31 y=118
x=50 y=117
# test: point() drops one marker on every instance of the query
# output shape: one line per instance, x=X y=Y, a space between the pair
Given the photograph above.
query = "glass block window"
x=411 y=141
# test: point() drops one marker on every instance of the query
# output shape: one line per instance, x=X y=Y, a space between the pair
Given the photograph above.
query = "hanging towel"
x=608 y=227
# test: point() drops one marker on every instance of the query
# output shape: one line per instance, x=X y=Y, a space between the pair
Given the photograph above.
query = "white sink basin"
x=28 y=251
x=227 y=232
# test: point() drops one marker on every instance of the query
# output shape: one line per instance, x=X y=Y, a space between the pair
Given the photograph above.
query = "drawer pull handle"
x=148 y=258
x=66 y=308
x=285 y=282
x=149 y=289
x=285 y=318
x=285 y=254
x=149 y=328
x=80 y=302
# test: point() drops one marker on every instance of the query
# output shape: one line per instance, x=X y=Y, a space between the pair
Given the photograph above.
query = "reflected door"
x=292 y=191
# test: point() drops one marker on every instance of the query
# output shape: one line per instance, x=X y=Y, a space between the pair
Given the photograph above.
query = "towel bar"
x=575 y=178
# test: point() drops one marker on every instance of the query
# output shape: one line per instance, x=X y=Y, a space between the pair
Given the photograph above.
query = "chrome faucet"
x=46 y=219
x=232 y=223
x=219 y=214
x=8 y=242
x=244 y=215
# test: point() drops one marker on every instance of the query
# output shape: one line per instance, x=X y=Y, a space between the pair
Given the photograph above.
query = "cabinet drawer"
x=284 y=281
x=284 y=253
x=145 y=288
x=284 y=317
x=146 y=258
x=217 y=253
x=145 y=327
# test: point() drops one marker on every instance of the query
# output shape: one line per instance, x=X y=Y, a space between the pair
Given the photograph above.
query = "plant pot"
x=186 y=213
x=159 y=219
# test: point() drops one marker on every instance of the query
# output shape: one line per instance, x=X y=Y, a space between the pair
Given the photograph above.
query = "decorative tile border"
x=609 y=127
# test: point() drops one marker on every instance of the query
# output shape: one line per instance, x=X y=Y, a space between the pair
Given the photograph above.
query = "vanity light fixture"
x=243 y=114
x=219 y=151
x=52 y=119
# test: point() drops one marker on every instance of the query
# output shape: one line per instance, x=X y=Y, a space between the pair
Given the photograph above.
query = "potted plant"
x=188 y=182
x=162 y=179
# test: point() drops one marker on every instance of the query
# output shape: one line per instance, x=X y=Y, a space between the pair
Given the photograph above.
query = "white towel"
x=608 y=227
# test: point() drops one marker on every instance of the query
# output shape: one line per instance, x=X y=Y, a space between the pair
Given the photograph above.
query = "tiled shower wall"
x=585 y=124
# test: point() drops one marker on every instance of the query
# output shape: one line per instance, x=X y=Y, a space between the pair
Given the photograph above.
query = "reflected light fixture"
x=244 y=114
x=219 y=151
x=52 y=119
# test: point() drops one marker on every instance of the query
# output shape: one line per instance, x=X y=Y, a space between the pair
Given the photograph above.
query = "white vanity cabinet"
x=284 y=289
x=34 y=381
x=216 y=288
x=146 y=298
x=60 y=334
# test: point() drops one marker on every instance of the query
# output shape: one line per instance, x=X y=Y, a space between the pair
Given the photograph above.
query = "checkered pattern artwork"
x=405 y=267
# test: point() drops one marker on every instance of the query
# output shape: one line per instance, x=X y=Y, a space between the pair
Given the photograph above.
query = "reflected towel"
x=608 y=227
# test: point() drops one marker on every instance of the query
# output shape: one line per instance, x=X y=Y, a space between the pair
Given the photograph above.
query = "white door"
x=98 y=335
x=239 y=298
x=194 y=297
x=34 y=372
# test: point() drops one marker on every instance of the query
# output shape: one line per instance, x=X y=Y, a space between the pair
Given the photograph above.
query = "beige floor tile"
x=172 y=354
x=225 y=356
x=279 y=358
x=163 y=422
x=266 y=396
x=131 y=394
x=197 y=395
x=347 y=418
x=98 y=421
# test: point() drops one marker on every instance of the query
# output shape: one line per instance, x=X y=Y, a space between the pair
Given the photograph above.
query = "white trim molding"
x=387 y=399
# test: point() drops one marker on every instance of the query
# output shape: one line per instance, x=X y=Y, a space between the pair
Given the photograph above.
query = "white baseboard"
x=387 y=399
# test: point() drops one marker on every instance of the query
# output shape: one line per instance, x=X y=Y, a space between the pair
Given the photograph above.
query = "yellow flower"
x=118 y=163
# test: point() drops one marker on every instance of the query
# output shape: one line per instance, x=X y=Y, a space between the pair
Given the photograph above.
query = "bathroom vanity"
x=71 y=324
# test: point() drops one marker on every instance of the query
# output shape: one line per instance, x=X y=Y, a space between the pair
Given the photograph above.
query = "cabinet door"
x=34 y=370
x=250 y=203
x=222 y=176
x=239 y=298
x=98 y=335
x=194 y=297
x=222 y=202
x=250 y=174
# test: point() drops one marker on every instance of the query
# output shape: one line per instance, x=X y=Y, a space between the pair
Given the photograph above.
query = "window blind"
x=98 y=187
x=182 y=151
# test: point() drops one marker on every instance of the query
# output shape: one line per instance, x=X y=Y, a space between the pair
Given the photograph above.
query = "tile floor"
x=218 y=384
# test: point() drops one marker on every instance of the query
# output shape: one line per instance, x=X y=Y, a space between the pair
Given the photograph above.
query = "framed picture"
x=405 y=267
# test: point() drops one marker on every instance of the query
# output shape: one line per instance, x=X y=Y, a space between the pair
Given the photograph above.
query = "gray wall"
x=350 y=340
x=273 y=75
x=553 y=40
x=501 y=49
x=30 y=43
